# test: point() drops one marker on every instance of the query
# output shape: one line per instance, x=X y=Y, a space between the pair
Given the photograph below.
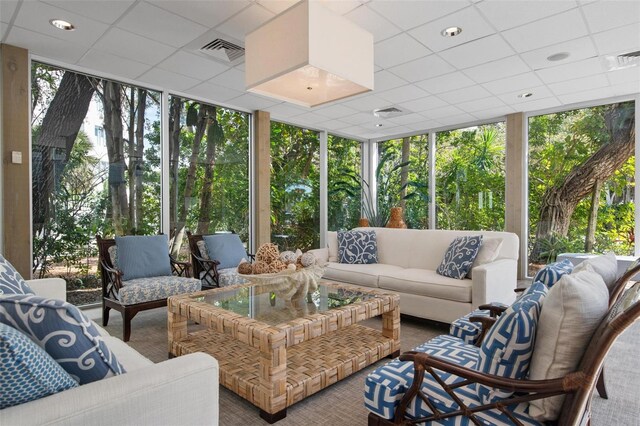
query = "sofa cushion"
x=357 y=247
x=550 y=274
x=605 y=265
x=460 y=256
x=488 y=252
x=332 y=245
x=571 y=312
x=365 y=275
x=27 y=372
x=129 y=358
x=156 y=288
x=226 y=249
x=11 y=282
x=141 y=256
x=65 y=333
x=426 y=283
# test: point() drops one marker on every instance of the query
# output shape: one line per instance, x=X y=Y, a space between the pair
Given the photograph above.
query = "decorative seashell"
x=291 y=266
x=245 y=268
x=308 y=259
x=298 y=254
x=288 y=256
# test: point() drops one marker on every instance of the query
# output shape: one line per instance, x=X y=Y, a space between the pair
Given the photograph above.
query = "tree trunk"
x=593 y=217
x=214 y=136
x=139 y=153
x=559 y=201
x=175 y=127
x=131 y=167
x=404 y=171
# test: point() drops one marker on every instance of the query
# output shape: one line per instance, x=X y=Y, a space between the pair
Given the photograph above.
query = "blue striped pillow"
x=551 y=274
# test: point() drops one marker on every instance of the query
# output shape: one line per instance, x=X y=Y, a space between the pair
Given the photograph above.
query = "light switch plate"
x=16 y=157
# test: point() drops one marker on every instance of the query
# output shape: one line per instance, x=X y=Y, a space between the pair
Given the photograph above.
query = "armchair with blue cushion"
x=215 y=258
x=138 y=273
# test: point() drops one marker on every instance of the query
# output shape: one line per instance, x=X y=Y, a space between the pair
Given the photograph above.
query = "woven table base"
x=311 y=366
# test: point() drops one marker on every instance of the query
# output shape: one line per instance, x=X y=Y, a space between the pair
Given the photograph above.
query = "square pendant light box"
x=308 y=55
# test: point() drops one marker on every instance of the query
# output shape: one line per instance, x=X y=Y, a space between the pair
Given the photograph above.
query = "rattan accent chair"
x=112 y=285
x=205 y=268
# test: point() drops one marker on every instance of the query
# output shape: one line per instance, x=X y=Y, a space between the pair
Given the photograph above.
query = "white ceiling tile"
x=465 y=94
x=424 y=125
x=354 y=131
x=497 y=69
x=573 y=70
x=472 y=23
x=309 y=118
x=458 y=119
x=252 y=102
x=107 y=11
x=562 y=27
x=384 y=80
x=626 y=75
x=366 y=102
x=626 y=88
x=335 y=111
x=442 y=112
x=374 y=23
x=587 y=95
x=359 y=118
x=132 y=46
x=604 y=15
x=159 y=25
x=232 y=78
x=423 y=104
x=423 y=68
x=409 y=14
x=509 y=14
x=203 y=11
x=162 y=78
x=619 y=40
x=481 y=104
x=246 y=21
x=497 y=112
x=537 y=104
x=579 y=84
x=286 y=110
x=403 y=94
x=195 y=66
x=477 y=52
x=340 y=7
x=580 y=48
x=45 y=46
x=539 y=92
x=277 y=6
x=213 y=93
x=407 y=119
x=7 y=7
x=446 y=83
x=112 y=64
x=521 y=82
x=334 y=125
x=34 y=16
x=398 y=50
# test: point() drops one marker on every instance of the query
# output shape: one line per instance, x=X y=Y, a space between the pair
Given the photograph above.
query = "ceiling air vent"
x=622 y=61
x=223 y=50
x=388 y=112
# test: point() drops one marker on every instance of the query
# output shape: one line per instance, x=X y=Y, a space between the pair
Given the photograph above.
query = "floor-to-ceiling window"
x=295 y=187
x=402 y=177
x=208 y=170
x=95 y=170
x=581 y=182
x=470 y=178
x=344 y=175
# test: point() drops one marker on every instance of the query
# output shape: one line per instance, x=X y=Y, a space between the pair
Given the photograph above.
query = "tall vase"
x=363 y=222
x=396 y=220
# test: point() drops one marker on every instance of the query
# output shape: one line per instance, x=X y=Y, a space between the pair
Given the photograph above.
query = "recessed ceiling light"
x=525 y=95
x=62 y=25
x=451 y=31
x=558 y=56
x=378 y=124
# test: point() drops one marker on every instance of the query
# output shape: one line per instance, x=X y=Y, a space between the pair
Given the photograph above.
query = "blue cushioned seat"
x=156 y=288
x=226 y=277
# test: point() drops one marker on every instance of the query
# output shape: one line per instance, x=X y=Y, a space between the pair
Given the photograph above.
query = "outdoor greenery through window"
x=344 y=174
x=470 y=178
x=295 y=187
x=209 y=171
x=95 y=170
x=581 y=182
x=402 y=177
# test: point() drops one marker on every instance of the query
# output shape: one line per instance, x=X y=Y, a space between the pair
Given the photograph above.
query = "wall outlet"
x=16 y=157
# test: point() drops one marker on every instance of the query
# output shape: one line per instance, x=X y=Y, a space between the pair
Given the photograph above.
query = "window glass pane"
x=209 y=171
x=581 y=182
x=470 y=178
x=96 y=170
x=344 y=161
x=295 y=187
x=402 y=177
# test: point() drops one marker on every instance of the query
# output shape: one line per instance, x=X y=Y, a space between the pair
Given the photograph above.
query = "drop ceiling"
x=501 y=53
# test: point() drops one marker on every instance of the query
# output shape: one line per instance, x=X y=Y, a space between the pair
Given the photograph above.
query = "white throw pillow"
x=332 y=244
x=489 y=251
x=570 y=314
x=606 y=265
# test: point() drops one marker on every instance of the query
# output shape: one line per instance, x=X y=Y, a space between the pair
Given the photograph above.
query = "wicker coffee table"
x=277 y=344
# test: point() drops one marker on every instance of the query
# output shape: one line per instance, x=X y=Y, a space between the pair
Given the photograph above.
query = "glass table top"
x=275 y=304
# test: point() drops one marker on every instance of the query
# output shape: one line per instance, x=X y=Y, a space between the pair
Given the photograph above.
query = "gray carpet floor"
x=342 y=403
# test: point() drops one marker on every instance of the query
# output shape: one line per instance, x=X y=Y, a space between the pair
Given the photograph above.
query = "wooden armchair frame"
x=578 y=386
x=111 y=278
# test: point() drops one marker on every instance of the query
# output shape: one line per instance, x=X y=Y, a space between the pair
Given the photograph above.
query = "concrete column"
x=516 y=216
x=262 y=177
x=16 y=158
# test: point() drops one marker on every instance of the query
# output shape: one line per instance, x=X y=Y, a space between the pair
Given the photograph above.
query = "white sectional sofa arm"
x=51 y=288
x=180 y=391
x=494 y=282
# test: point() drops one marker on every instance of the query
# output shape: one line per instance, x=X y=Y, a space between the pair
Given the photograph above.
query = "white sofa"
x=182 y=390
x=408 y=259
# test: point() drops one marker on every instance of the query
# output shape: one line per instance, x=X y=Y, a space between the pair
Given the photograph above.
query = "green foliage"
x=344 y=157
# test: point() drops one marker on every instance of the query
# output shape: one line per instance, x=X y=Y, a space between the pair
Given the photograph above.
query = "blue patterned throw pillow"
x=26 y=371
x=357 y=247
x=11 y=282
x=551 y=274
x=459 y=257
x=63 y=331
